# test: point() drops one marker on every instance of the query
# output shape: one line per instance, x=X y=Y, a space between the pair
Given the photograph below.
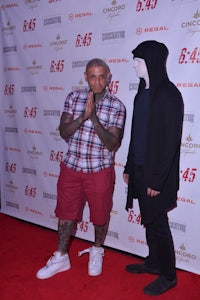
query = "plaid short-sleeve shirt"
x=85 y=151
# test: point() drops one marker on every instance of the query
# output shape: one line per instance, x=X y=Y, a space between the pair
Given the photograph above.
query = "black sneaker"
x=141 y=268
x=159 y=286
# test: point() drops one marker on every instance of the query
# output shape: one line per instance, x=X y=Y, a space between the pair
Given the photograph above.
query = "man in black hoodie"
x=152 y=168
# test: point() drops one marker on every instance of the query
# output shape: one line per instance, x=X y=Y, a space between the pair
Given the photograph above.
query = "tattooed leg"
x=100 y=234
x=65 y=229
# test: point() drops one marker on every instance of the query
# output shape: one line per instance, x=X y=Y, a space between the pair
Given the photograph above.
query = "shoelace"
x=51 y=259
x=88 y=250
x=84 y=251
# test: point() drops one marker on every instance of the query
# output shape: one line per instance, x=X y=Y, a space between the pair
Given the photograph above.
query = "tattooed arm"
x=110 y=137
x=68 y=126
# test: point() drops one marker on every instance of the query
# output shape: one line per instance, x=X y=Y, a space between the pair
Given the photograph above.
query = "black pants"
x=158 y=233
x=161 y=246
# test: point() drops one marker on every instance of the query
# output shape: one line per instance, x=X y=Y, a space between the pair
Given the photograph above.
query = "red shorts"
x=75 y=188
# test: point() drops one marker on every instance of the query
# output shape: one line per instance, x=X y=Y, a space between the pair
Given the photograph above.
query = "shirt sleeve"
x=68 y=103
x=118 y=116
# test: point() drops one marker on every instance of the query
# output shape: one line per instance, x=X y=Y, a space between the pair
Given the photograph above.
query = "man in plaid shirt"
x=92 y=124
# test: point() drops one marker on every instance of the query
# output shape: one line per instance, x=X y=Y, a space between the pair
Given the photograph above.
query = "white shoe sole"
x=92 y=274
x=43 y=276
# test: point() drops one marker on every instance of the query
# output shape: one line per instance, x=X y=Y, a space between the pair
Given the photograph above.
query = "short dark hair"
x=97 y=62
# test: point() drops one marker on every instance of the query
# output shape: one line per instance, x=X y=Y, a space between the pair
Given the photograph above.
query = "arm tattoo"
x=111 y=141
x=68 y=126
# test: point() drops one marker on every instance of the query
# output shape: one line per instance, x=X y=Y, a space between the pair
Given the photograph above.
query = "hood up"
x=155 y=55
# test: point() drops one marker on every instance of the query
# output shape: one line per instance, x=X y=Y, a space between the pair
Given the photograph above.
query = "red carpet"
x=26 y=247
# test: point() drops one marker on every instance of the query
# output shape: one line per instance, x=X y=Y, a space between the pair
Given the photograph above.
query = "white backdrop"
x=45 y=45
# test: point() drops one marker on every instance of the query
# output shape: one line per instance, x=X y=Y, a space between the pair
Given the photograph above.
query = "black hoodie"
x=161 y=167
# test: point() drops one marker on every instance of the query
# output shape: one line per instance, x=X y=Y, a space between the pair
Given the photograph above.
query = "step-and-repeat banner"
x=45 y=46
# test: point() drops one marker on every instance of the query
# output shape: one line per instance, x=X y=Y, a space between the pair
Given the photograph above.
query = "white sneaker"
x=56 y=263
x=95 y=260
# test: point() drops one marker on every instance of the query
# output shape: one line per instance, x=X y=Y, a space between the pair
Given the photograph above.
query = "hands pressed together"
x=90 y=109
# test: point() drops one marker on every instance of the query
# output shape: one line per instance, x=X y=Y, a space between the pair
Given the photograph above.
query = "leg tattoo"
x=65 y=229
x=100 y=234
